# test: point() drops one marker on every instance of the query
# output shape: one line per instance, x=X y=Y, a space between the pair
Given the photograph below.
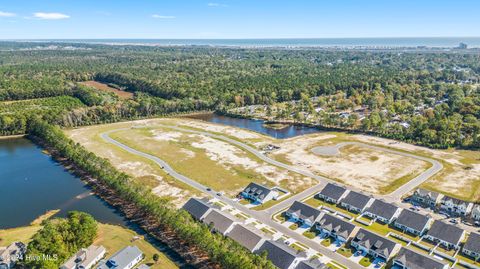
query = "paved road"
x=259 y=215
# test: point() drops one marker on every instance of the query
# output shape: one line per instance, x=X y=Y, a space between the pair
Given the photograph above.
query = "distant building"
x=462 y=46
x=10 y=255
x=281 y=255
x=448 y=235
x=126 y=258
x=356 y=202
x=313 y=264
x=85 y=258
x=472 y=246
x=335 y=227
x=412 y=222
x=197 y=208
x=375 y=245
x=332 y=193
x=476 y=212
x=383 y=211
x=259 y=193
x=303 y=213
x=426 y=197
x=221 y=222
x=408 y=259
x=248 y=237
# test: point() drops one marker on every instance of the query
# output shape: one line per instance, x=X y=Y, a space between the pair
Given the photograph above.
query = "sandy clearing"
x=166 y=135
x=212 y=127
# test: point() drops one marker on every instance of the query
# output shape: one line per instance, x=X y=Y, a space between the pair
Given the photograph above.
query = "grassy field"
x=106 y=88
x=24 y=234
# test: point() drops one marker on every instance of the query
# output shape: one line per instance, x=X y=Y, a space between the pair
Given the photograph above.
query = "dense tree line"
x=59 y=239
x=222 y=250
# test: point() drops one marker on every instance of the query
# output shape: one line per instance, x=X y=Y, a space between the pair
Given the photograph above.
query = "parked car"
x=454 y=221
x=477 y=223
x=208 y=189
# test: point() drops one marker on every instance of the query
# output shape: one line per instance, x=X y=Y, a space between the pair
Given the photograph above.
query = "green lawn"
x=293 y=226
x=310 y=234
x=365 y=262
x=326 y=242
x=346 y=251
x=335 y=265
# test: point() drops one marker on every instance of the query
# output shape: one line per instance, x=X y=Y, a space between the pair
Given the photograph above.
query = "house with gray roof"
x=476 y=212
x=220 y=221
x=455 y=207
x=375 y=245
x=472 y=246
x=448 y=235
x=300 y=212
x=313 y=264
x=426 y=198
x=10 y=255
x=281 y=255
x=85 y=258
x=258 y=193
x=332 y=193
x=382 y=211
x=248 y=237
x=356 y=202
x=408 y=259
x=412 y=222
x=197 y=208
x=335 y=227
x=126 y=258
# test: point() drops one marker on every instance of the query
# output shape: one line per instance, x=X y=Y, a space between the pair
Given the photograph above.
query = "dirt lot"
x=105 y=87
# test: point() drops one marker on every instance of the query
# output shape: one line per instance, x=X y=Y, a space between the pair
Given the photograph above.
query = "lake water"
x=32 y=183
x=259 y=126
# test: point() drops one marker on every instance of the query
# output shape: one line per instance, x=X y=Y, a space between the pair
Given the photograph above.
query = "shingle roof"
x=473 y=243
x=446 y=232
x=426 y=193
x=414 y=260
x=339 y=226
x=122 y=258
x=304 y=211
x=256 y=190
x=455 y=201
x=246 y=236
x=356 y=199
x=314 y=264
x=382 y=209
x=196 y=207
x=412 y=220
x=220 y=220
x=333 y=191
x=281 y=255
x=374 y=242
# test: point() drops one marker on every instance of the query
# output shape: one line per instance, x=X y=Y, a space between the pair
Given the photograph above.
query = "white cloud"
x=216 y=5
x=156 y=16
x=50 y=16
x=7 y=14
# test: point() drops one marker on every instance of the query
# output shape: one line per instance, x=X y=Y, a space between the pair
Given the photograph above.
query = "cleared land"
x=106 y=88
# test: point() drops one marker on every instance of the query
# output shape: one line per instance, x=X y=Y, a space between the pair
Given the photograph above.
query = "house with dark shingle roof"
x=448 y=235
x=258 y=193
x=382 y=211
x=356 y=202
x=375 y=245
x=426 y=198
x=335 y=227
x=300 y=212
x=412 y=222
x=332 y=193
x=472 y=246
x=248 y=237
x=197 y=208
x=476 y=212
x=408 y=259
x=281 y=255
x=313 y=264
x=455 y=207
x=221 y=222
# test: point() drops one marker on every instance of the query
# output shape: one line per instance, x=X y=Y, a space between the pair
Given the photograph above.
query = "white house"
x=126 y=258
x=85 y=258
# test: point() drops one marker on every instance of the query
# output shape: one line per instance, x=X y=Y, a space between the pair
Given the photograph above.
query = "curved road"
x=259 y=215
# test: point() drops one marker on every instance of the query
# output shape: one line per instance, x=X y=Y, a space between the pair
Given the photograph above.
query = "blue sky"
x=34 y=19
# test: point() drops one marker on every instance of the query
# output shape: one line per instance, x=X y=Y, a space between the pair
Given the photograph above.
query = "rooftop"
x=280 y=254
x=304 y=211
x=412 y=220
x=313 y=264
x=248 y=237
x=333 y=191
x=414 y=260
x=196 y=207
x=374 y=242
x=84 y=257
x=257 y=190
x=473 y=243
x=446 y=232
x=221 y=221
x=356 y=199
x=122 y=258
x=382 y=209
x=334 y=224
x=426 y=193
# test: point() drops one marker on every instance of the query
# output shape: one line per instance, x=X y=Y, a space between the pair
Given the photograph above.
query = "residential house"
x=426 y=198
x=332 y=193
x=375 y=245
x=454 y=206
x=412 y=222
x=197 y=208
x=448 y=235
x=472 y=246
x=313 y=264
x=258 y=193
x=335 y=227
x=126 y=258
x=300 y=212
x=281 y=255
x=248 y=237
x=85 y=258
x=11 y=254
x=383 y=211
x=409 y=259
x=220 y=221
x=356 y=202
x=476 y=212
